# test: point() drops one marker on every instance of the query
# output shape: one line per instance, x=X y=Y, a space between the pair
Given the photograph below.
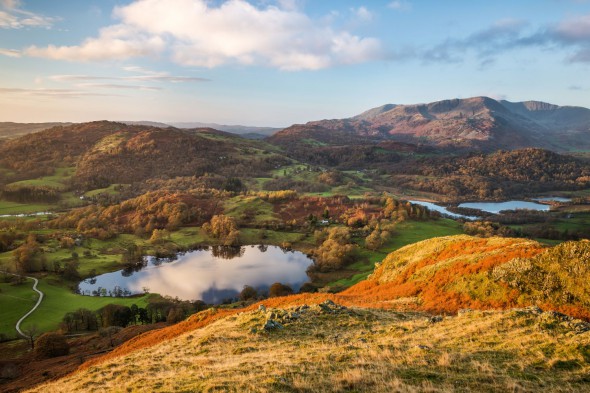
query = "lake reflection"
x=497 y=207
x=211 y=274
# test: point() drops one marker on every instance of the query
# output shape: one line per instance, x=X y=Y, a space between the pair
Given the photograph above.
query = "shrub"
x=277 y=289
x=248 y=293
x=51 y=345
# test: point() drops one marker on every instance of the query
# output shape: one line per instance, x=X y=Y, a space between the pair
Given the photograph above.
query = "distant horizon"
x=244 y=124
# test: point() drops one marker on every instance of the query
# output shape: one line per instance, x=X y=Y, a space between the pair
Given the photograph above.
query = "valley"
x=363 y=215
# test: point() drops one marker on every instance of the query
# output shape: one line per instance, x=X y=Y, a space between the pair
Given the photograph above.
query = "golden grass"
x=353 y=350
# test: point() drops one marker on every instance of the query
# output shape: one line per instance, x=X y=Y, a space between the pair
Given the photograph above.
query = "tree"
x=335 y=251
x=175 y=315
x=277 y=289
x=233 y=184
x=115 y=315
x=224 y=228
x=159 y=236
x=70 y=271
x=31 y=332
x=50 y=345
x=248 y=293
x=28 y=257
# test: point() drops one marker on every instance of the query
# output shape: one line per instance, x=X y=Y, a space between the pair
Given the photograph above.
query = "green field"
x=57 y=180
x=15 y=301
x=110 y=190
x=7 y=208
x=249 y=209
x=59 y=300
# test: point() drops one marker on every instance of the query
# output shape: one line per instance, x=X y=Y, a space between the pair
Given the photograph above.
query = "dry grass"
x=352 y=350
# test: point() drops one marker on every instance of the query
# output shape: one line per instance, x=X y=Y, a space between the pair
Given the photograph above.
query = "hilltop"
x=480 y=123
x=14 y=130
x=105 y=153
x=373 y=336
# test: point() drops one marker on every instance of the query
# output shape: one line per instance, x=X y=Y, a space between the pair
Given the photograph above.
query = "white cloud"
x=198 y=33
x=10 y=52
x=363 y=14
x=65 y=93
x=575 y=29
x=118 y=86
x=400 y=5
x=12 y=16
x=148 y=76
x=114 y=43
x=10 y=4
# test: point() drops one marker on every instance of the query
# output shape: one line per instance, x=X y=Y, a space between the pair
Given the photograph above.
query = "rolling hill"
x=373 y=337
x=14 y=130
x=473 y=123
x=105 y=153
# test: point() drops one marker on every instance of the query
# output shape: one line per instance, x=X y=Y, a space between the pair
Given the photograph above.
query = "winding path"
x=41 y=295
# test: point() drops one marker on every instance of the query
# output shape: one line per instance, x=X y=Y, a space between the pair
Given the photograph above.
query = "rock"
x=330 y=307
x=272 y=325
x=556 y=315
x=436 y=318
x=293 y=315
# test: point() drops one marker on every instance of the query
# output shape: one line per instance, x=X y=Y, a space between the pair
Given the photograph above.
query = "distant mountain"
x=234 y=129
x=146 y=123
x=248 y=132
x=13 y=130
x=474 y=123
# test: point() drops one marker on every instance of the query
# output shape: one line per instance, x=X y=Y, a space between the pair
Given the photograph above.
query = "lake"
x=443 y=210
x=25 y=214
x=211 y=274
x=497 y=207
x=553 y=199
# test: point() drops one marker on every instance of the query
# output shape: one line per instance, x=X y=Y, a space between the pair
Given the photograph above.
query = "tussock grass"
x=356 y=349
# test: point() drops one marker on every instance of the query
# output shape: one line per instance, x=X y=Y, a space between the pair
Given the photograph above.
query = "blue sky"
x=279 y=62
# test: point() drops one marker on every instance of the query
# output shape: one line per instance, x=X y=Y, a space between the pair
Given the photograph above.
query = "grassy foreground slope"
x=384 y=341
x=328 y=348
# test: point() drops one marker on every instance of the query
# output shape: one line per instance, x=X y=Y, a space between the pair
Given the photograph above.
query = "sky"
x=280 y=62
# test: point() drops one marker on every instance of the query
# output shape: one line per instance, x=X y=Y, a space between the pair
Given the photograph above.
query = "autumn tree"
x=278 y=289
x=335 y=251
x=29 y=256
x=159 y=236
x=224 y=228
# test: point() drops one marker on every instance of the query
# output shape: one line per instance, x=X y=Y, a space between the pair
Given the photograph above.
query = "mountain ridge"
x=480 y=123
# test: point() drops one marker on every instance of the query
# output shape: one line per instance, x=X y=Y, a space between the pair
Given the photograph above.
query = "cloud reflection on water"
x=200 y=275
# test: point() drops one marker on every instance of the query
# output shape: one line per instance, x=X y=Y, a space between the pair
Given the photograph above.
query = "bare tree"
x=30 y=333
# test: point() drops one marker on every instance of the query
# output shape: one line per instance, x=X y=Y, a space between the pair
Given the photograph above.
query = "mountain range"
x=480 y=123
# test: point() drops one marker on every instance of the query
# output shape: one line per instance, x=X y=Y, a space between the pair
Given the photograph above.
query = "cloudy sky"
x=278 y=62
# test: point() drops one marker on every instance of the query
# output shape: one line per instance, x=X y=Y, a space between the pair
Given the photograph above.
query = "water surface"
x=552 y=199
x=497 y=207
x=443 y=210
x=212 y=274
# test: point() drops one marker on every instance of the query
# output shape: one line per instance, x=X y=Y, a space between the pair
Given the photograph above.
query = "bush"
x=50 y=345
x=248 y=293
x=277 y=289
